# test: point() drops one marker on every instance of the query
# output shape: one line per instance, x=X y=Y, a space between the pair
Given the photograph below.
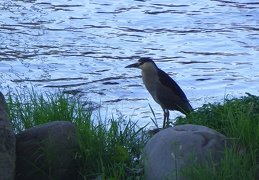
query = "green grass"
x=114 y=149
x=111 y=148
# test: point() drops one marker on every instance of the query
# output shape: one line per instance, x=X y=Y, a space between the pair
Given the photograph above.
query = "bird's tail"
x=188 y=109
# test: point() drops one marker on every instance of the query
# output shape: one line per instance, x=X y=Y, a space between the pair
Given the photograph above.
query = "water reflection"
x=209 y=47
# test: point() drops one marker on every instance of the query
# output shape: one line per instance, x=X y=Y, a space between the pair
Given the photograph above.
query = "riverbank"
x=111 y=148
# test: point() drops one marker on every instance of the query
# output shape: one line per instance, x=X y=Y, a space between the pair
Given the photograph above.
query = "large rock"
x=47 y=152
x=7 y=143
x=175 y=148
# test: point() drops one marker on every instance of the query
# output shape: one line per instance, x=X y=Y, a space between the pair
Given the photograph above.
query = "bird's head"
x=144 y=63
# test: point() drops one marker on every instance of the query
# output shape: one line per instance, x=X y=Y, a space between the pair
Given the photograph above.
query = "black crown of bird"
x=164 y=90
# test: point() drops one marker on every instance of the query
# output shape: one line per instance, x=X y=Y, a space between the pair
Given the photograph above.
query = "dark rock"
x=7 y=143
x=47 y=152
x=175 y=148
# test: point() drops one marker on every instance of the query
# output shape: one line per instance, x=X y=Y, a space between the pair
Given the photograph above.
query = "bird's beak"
x=135 y=65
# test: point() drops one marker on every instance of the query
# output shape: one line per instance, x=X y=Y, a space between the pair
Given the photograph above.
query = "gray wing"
x=170 y=95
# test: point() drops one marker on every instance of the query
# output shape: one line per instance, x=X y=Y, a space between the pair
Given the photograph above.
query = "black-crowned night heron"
x=164 y=90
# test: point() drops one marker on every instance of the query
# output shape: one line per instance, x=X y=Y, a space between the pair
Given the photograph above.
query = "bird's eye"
x=141 y=63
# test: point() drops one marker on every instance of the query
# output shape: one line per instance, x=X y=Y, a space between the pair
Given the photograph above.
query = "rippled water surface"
x=210 y=48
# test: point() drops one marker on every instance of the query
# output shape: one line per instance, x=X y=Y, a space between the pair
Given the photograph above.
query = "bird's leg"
x=166 y=118
x=167 y=114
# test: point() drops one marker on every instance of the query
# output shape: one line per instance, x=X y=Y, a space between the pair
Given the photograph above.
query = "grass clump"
x=108 y=149
x=238 y=119
x=113 y=150
x=29 y=108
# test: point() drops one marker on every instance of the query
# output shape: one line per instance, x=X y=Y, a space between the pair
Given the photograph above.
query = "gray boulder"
x=7 y=143
x=47 y=151
x=173 y=149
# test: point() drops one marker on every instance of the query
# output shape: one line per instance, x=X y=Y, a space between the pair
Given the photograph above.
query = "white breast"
x=150 y=80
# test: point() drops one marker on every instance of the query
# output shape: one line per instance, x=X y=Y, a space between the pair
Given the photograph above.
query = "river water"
x=210 y=48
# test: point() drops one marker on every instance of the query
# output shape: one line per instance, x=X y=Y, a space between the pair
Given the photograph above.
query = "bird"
x=164 y=90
